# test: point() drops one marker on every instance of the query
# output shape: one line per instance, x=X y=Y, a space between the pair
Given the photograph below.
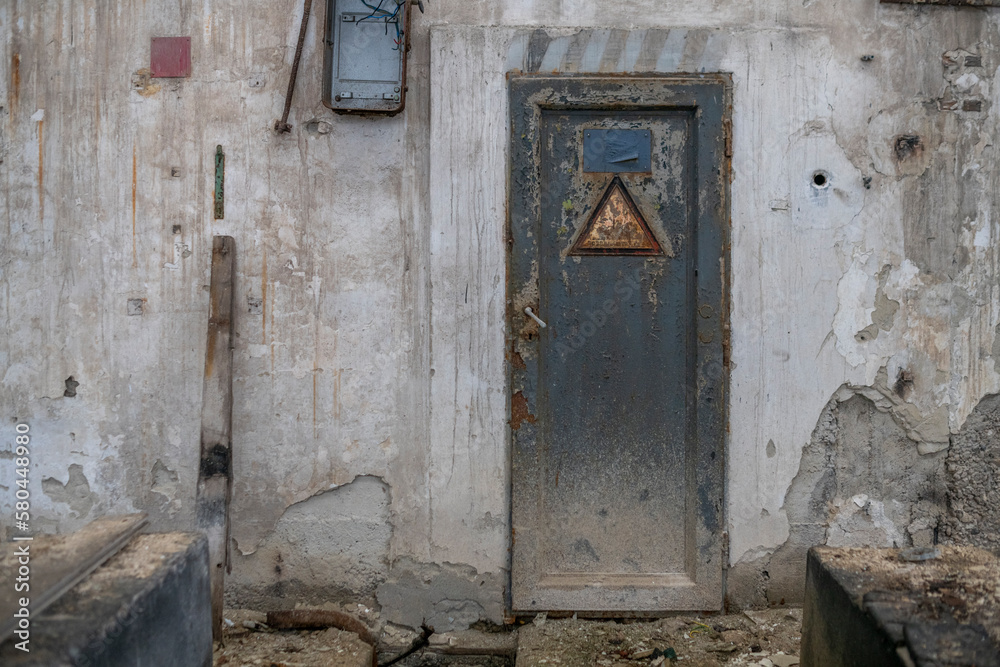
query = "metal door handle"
x=527 y=311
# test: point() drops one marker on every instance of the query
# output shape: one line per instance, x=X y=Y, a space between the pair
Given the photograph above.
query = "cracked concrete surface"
x=446 y=597
x=333 y=546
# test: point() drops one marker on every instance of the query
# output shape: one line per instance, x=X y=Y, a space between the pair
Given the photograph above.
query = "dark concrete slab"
x=876 y=607
x=42 y=568
x=149 y=605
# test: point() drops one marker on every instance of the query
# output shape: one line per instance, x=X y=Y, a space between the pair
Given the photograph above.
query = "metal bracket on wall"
x=220 y=179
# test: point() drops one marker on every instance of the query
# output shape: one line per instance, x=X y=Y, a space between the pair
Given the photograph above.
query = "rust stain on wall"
x=15 y=83
x=518 y=361
x=519 y=411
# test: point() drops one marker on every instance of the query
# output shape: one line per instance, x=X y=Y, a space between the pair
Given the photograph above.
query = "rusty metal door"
x=617 y=333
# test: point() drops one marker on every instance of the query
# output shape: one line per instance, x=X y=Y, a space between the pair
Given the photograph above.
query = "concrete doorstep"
x=890 y=607
x=148 y=605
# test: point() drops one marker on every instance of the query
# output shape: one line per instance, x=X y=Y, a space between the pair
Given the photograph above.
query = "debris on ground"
x=768 y=638
x=250 y=642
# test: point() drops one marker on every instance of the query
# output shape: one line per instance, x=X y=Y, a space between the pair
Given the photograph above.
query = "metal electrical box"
x=365 y=55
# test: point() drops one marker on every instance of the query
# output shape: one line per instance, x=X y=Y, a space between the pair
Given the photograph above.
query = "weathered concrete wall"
x=974 y=479
x=331 y=547
x=371 y=262
x=861 y=483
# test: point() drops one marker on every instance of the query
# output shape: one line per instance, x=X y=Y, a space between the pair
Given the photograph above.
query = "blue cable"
x=387 y=16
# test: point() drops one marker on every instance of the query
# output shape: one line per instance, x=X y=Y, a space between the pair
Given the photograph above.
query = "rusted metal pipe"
x=282 y=125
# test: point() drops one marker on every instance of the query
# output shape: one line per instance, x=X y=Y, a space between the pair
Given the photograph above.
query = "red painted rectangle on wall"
x=170 y=57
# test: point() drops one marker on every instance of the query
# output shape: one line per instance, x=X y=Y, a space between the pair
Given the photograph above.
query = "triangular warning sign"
x=616 y=227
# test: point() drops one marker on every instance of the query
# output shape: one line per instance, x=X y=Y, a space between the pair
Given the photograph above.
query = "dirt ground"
x=767 y=638
x=249 y=643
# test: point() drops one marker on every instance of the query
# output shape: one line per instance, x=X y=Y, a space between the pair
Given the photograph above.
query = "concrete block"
x=878 y=608
x=447 y=598
x=149 y=605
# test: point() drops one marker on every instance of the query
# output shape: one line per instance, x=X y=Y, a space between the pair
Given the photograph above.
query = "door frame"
x=710 y=98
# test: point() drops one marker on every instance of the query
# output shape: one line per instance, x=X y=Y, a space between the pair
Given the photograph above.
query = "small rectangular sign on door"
x=617 y=151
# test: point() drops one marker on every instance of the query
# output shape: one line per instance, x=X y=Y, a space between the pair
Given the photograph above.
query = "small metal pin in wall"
x=531 y=314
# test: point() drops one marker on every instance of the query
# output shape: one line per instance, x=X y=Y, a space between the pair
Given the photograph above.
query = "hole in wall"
x=821 y=180
x=135 y=306
x=904 y=383
x=907 y=145
x=71 y=385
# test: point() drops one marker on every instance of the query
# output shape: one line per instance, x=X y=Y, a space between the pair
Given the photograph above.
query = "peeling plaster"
x=74 y=492
x=930 y=432
x=165 y=484
x=860 y=482
x=884 y=313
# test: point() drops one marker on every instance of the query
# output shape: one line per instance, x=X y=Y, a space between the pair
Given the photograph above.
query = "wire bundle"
x=386 y=16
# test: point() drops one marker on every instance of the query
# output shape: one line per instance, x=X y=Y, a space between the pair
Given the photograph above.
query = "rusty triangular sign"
x=616 y=227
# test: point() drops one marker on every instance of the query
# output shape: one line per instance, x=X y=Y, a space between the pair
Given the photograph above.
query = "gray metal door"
x=618 y=239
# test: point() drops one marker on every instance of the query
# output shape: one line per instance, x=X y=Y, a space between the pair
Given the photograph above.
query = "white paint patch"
x=19 y=375
x=855 y=296
x=983 y=236
x=256 y=350
x=907 y=276
x=864 y=524
x=966 y=82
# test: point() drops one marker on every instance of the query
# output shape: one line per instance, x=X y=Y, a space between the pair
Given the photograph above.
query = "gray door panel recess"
x=618 y=403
